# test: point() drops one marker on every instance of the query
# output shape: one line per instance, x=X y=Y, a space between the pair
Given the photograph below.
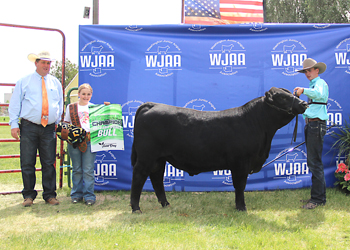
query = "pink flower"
x=347 y=176
x=342 y=168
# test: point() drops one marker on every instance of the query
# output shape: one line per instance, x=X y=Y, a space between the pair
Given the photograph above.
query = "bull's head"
x=283 y=99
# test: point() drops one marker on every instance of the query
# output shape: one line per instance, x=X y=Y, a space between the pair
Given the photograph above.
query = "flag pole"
x=182 y=11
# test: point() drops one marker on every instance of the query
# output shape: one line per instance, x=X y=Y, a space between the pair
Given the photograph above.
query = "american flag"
x=211 y=12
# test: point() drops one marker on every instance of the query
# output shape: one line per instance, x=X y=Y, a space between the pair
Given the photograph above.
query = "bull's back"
x=196 y=136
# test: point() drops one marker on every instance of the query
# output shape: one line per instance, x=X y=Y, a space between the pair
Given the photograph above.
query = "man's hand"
x=298 y=91
x=15 y=132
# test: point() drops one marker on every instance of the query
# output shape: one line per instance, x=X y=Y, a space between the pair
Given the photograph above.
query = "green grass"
x=195 y=220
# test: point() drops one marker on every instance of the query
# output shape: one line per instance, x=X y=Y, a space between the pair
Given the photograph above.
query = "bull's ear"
x=269 y=95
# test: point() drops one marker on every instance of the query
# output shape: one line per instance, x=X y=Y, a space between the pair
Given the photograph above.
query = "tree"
x=307 y=11
x=71 y=69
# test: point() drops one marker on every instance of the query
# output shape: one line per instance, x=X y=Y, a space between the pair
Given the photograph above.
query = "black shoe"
x=311 y=205
x=76 y=200
x=90 y=202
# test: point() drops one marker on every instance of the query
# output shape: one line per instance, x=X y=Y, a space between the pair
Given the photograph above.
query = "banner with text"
x=106 y=127
x=213 y=68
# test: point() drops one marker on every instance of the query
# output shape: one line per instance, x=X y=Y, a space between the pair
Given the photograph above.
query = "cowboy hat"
x=311 y=63
x=43 y=55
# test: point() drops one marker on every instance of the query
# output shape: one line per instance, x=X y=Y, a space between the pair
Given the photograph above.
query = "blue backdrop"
x=213 y=68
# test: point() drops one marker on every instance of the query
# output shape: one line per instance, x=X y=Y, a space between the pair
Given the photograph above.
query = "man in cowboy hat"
x=315 y=128
x=37 y=102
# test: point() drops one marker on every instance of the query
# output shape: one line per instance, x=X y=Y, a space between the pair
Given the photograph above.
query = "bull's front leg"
x=239 y=183
x=138 y=180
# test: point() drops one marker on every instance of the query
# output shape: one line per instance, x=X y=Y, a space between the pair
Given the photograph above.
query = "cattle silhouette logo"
x=128 y=113
x=97 y=58
x=227 y=57
x=163 y=58
x=287 y=57
x=105 y=168
x=200 y=105
x=341 y=52
x=335 y=114
x=196 y=28
x=292 y=167
x=133 y=28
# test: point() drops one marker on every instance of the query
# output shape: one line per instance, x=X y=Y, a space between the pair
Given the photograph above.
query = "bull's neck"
x=275 y=118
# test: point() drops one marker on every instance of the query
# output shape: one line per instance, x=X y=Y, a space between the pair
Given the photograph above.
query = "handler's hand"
x=107 y=103
x=298 y=91
x=15 y=132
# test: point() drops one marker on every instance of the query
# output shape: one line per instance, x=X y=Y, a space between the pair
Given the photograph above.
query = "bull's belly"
x=196 y=167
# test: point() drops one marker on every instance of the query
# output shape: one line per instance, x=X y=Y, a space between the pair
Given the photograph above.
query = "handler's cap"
x=311 y=63
x=43 y=55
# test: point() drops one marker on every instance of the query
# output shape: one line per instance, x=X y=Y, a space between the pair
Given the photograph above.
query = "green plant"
x=342 y=144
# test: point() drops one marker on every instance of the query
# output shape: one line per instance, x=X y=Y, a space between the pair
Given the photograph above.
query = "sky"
x=66 y=15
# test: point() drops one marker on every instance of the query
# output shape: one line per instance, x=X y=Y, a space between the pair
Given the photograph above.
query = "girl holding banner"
x=83 y=160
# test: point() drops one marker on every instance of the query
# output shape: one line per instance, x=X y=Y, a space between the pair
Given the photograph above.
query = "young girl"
x=82 y=157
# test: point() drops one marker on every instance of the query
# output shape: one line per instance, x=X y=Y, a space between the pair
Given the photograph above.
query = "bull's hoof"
x=138 y=211
x=165 y=204
x=241 y=209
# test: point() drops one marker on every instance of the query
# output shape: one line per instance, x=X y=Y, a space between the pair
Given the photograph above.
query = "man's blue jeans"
x=314 y=135
x=83 y=173
x=33 y=138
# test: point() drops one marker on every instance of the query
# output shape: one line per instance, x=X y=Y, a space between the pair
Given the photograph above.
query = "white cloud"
x=66 y=15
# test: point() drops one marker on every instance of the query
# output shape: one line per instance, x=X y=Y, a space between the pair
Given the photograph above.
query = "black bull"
x=236 y=139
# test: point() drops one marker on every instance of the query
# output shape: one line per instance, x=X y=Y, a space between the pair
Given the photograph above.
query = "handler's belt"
x=307 y=120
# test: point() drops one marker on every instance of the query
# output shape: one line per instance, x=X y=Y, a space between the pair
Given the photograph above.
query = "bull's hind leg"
x=158 y=184
x=239 y=181
x=139 y=178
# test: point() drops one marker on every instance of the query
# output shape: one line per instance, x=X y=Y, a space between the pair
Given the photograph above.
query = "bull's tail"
x=144 y=106
x=133 y=155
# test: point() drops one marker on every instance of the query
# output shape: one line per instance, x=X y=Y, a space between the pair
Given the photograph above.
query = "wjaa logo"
x=172 y=175
x=227 y=57
x=97 y=58
x=342 y=60
x=163 y=57
x=105 y=168
x=258 y=27
x=288 y=56
x=335 y=115
x=133 y=28
x=128 y=114
x=291 y=167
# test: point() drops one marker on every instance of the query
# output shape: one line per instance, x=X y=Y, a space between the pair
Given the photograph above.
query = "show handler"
x=315 y=128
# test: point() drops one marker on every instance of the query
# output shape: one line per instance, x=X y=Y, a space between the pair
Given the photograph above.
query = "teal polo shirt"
x=317 y=92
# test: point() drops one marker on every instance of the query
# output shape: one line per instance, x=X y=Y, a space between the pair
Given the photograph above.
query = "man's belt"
x=25 y=120
x=307 y=120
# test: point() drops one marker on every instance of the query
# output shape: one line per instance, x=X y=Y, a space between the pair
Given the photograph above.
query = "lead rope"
x=295 y=132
